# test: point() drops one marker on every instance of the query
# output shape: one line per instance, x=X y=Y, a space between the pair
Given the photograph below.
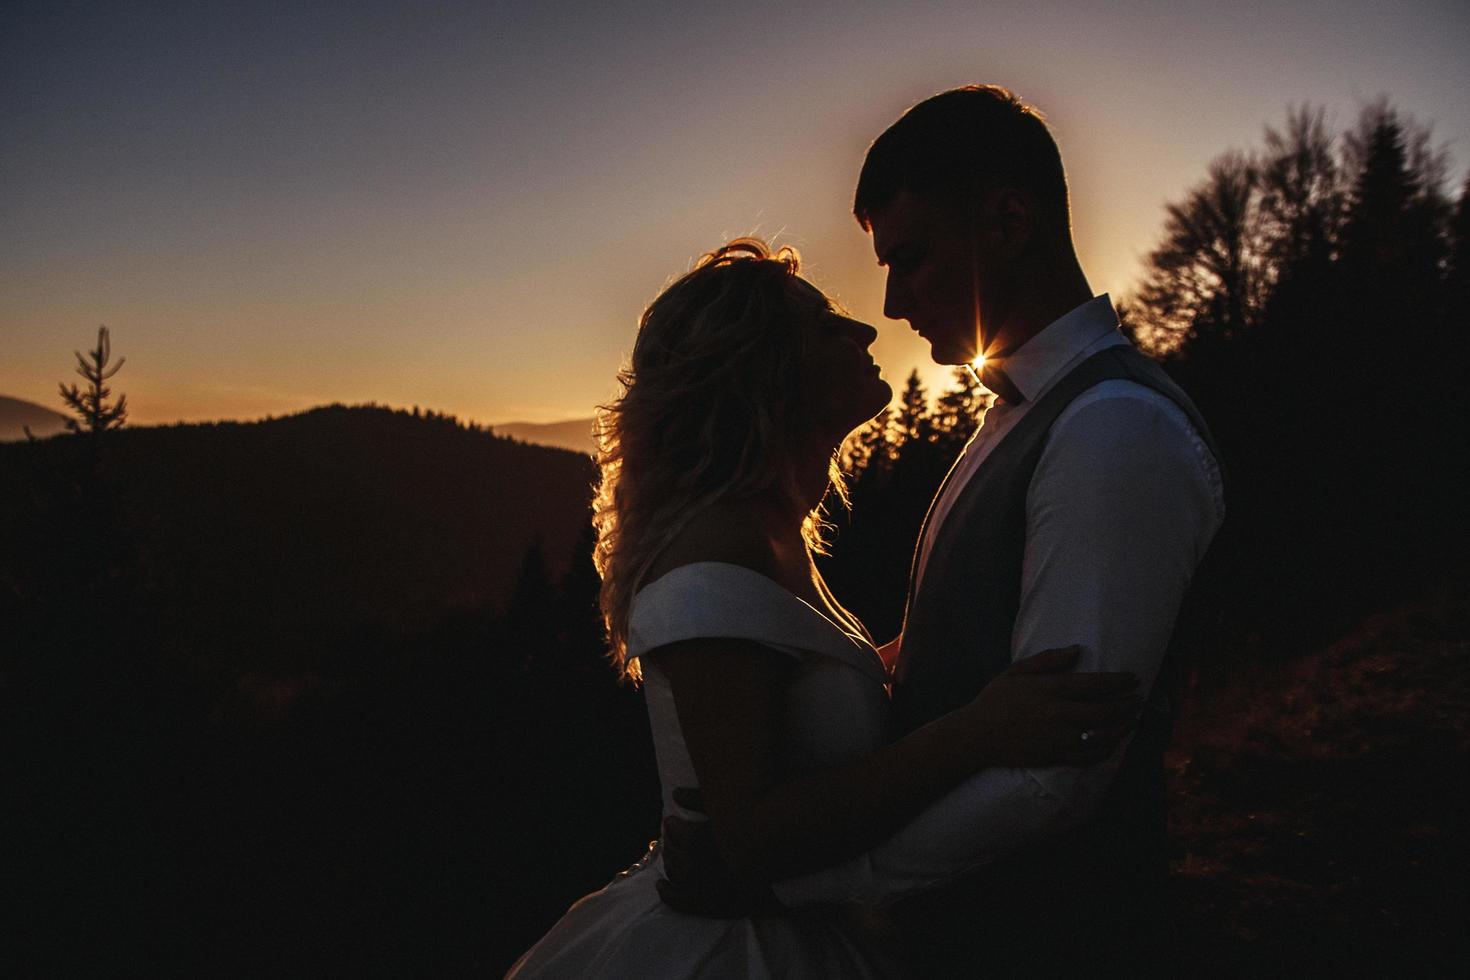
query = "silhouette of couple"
x=1001 y=813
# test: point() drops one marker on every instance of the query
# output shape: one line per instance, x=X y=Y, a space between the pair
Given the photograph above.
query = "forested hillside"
x=288 y=541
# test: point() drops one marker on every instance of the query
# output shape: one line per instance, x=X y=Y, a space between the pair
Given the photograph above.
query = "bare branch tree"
x=1304 y=196
x=1207 y=278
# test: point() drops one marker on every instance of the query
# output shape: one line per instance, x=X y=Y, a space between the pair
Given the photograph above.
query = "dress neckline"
x=763 y=577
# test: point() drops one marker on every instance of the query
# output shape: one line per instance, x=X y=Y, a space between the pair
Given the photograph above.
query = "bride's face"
x=841 y=384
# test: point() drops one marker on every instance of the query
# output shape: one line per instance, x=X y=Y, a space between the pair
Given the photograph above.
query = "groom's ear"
x=1002 y=218
x=1013 y=221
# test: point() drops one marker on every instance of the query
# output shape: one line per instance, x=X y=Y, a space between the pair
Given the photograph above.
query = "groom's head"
x=966 y=198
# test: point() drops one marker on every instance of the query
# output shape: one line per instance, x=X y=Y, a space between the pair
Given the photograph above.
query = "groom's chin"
x=951 y=350
x=953 y=356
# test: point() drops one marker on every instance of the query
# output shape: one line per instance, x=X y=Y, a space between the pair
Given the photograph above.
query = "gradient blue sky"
x=466 y=206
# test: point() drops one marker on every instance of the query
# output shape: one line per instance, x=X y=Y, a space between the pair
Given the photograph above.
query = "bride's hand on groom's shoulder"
x=1038 y=713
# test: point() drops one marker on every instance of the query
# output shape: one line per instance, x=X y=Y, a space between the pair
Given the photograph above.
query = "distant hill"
x=575 y=434
x=17 y=413
x=288 y=535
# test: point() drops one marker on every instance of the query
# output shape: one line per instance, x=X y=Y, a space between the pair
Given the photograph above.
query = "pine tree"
x=914 y=423
x=1373 y=238
x=94 y=413
x=957 y=412
x=579 y=617
x=530 y=626
x=1457 y=277
x=1446 y=386
x=921 y=462
x=1394 y=244
x=869 y=451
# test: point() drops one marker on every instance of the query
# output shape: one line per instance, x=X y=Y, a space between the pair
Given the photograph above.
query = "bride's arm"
x=729 y=699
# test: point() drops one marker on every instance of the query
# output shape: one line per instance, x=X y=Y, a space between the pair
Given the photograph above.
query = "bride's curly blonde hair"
x=709 y=411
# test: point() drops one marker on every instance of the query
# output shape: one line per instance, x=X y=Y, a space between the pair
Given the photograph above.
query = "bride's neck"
x=787 y=504
x=811 y=477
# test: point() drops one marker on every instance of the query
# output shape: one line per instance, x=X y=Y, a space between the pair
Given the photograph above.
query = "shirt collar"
x=1033 y=365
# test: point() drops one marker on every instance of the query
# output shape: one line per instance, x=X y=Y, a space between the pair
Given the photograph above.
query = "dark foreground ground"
x=430 y=818
x=1320 y=808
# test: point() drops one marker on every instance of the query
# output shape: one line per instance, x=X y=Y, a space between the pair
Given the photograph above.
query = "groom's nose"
x=897 y=298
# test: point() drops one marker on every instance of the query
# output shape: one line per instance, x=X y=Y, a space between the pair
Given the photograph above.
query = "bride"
x=762 y=690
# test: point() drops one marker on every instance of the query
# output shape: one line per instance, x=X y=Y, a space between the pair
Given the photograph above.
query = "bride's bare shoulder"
x=724 y=532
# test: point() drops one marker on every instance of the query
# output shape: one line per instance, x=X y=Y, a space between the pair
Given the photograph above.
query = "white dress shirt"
x=1122 y=505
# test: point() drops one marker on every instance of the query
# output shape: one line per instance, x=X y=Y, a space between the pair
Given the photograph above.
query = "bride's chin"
x=881 y=400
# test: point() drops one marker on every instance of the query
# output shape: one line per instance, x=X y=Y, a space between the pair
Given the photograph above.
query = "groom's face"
x=935 y=275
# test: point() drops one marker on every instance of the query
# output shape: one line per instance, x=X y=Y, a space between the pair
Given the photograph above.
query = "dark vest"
x=1092 y=896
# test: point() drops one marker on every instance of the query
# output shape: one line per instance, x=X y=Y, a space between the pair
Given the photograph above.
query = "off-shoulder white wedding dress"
x=836 y=711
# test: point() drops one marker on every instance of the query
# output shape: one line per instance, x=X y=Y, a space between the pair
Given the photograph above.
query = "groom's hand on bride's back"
x=697 y=881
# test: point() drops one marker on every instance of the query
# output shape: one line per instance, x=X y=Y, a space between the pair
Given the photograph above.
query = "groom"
x=1076 y=515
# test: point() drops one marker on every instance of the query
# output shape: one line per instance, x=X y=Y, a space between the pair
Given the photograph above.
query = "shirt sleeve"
x=1123 y=504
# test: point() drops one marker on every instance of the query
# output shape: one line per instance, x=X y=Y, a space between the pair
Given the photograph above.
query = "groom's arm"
x=1121 y=508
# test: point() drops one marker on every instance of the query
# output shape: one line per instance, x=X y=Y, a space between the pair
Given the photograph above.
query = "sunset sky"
x=466 y=206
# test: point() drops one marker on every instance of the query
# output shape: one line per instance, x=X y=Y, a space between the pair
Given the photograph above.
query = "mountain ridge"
x=18 y=414
x=573 y=434
x=289 y=535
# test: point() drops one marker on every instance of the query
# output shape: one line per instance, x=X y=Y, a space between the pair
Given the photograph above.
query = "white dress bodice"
x=836 y=711
x=836 y=706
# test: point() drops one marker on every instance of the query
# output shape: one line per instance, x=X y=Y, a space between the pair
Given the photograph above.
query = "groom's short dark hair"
x=951 y=140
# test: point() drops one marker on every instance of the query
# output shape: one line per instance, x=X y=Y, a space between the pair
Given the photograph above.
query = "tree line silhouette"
x=270 y=713
x=1314 y=296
